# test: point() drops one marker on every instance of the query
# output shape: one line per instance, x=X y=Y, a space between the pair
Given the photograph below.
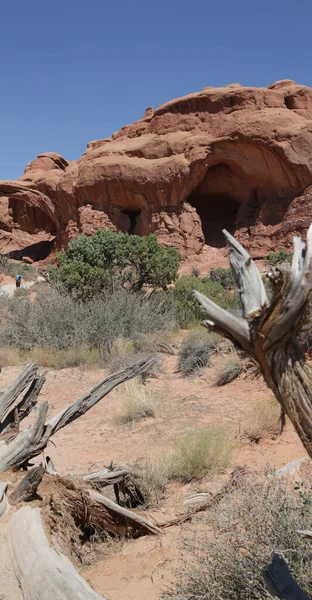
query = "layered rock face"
x=233 y=157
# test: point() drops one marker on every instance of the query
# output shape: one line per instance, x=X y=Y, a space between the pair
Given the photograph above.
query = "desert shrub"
x=229 y=371
x=188 y=308
x=224 y=277
x=263 y=420
x=54 y=319
x=207 y=453
x=225 y=558
x=136 y=401
x=195 y=272
x=108 y=259
x=277 y=258
x=196 y=351
x=126 y=314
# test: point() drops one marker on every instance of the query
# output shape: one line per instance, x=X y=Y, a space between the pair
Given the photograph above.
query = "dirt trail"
x=8 y=285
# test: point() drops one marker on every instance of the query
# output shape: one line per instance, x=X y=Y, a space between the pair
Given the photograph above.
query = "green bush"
x=188 y=308
x=110 y=259
x=223 y=276
x=277 y=258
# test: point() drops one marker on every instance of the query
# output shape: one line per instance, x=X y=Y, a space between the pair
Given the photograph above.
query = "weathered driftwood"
x=126 y=484
x=27 y=488
x=267 y=331
x=4 y=504
x=32 y=441
x=129 y=522
x=106 y=476
x=25 y=406
x=40 y=571
x=280 y=582
x=15 y=389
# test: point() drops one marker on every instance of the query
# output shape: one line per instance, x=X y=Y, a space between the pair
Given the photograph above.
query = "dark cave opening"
x=37 y=251
x=217 y=199
x=133 y=215
x=217 y=212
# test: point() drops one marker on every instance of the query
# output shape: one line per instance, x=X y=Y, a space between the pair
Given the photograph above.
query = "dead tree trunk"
x=39 y=571
x=268 y=330
x=32 y=441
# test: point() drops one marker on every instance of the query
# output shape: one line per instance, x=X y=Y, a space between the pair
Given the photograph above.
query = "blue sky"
x=77 y=70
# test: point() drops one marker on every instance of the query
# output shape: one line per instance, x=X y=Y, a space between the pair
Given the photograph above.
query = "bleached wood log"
x=106 y=476
x=41 y=572
x=32 y=441
x=15 y=389
x=27 y=488
x=268 y=331
x=25 y=406
x=128 y=519
x=4 y=504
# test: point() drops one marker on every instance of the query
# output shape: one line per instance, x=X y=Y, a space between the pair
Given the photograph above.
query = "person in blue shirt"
x=18 y=280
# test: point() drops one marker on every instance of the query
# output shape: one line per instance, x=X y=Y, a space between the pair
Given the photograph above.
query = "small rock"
x=28 y=260
x=290 y=468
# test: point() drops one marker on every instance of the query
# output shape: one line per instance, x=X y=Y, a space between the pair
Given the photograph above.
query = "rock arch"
x=43 y=215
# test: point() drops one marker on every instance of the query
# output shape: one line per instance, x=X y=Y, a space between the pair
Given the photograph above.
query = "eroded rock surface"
x=232 y=157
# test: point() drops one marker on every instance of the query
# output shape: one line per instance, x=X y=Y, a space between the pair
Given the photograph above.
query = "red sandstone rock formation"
x=231 y=157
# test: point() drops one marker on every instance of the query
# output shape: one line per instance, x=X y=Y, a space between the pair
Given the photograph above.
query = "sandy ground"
x=141 y=569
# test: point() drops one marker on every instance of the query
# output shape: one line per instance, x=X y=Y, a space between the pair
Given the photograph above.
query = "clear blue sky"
x=77 y=70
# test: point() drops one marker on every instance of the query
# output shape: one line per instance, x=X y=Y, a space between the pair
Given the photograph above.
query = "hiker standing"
x=18 y=280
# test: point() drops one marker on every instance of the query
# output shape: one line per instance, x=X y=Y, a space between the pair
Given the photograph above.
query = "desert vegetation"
x=110 y=306
x=225 y=558
x=263 y=421
x=206 y=453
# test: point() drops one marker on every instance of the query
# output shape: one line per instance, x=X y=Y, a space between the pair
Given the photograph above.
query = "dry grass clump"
x=226 y=557
x=231 y=369
x=50 y=357
x=195 y=352
x=136 y=401
x=11 y=357
x=153 y=479
x=207 y=453
x=63 y=359
x=263 y=420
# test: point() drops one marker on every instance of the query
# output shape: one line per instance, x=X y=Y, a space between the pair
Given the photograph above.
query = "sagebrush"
x=226 y=555
x=195 y=352
x=53 y=319
x=229 y=371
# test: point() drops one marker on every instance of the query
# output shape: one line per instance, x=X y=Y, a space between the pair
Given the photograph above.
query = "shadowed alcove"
x=217 y=200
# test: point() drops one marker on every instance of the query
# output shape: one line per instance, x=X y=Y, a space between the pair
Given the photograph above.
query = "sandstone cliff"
x=232 y=157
